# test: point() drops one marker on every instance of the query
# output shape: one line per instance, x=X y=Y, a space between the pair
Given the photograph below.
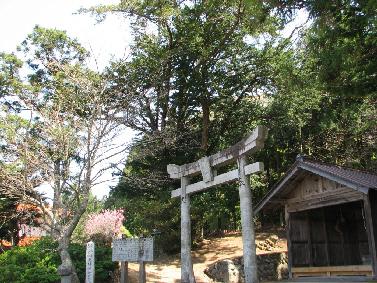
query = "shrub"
x=39 y=262
x=103 y=262
x=35 y=263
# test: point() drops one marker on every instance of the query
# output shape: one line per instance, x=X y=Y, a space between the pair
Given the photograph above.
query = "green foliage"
x=94 y=205
x=126 y=232
x=189 y=89
x=50 y=45
x=70 y=129
x=326 y=95
x=35 y=263
x=8 y=219
x=197 y=82
x=103 y=262
x=10 y=82
x=212 y=74
x=39 y=262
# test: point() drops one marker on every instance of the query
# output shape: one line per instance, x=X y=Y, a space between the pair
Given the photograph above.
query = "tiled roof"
x=352 y=178
x=364 y=179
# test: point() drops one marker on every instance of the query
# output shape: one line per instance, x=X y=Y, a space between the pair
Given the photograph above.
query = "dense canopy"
x=200 y=76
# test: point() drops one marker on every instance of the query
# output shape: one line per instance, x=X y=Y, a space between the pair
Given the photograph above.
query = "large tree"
x=63 y=136
x=325 y=103
x=191 y=86
x=188 y=56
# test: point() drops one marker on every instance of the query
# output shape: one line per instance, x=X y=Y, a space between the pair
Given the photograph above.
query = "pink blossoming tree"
x=104 y=226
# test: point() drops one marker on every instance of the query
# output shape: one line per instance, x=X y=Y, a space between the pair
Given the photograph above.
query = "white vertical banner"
x=89 y=278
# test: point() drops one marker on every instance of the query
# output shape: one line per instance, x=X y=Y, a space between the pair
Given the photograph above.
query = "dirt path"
x=167 y=270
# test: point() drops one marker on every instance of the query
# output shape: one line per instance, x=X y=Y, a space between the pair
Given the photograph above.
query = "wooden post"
x=310 y=248
x=248 y=233
x=187 y=273
x=326 y=236
x=89 y=276
x=123 y=272
x=370 y=234
x=289 y=243
x=373 y=206
x=142 y=274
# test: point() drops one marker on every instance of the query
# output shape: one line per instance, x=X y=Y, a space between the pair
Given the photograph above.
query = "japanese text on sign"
x=135 y=249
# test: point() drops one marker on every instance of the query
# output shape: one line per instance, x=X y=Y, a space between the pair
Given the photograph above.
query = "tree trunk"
x=56 y=205
x=166 y=93
x=67 y=269
x=205 y=124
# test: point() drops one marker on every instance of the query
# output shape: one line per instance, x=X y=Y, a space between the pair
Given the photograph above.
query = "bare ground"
x=167 y=269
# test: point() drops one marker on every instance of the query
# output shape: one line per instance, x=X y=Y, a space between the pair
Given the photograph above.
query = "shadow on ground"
x=166 y=269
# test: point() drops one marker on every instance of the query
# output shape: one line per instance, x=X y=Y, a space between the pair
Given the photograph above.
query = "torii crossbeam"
x=205 y=166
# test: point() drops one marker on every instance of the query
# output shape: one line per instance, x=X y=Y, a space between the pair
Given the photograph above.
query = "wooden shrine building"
x=331 y=217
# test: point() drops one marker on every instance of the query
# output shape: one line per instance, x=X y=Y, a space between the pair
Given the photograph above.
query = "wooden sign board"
x=134 y=249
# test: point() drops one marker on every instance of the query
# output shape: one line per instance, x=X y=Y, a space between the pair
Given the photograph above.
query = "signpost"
x=207 y=167
x=89 y=278
x=133 y=249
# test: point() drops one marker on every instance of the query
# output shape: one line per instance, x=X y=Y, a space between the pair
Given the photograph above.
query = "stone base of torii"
x=205 y=166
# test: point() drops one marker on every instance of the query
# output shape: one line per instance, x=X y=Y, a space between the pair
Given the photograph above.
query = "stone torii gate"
x=205 y=166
